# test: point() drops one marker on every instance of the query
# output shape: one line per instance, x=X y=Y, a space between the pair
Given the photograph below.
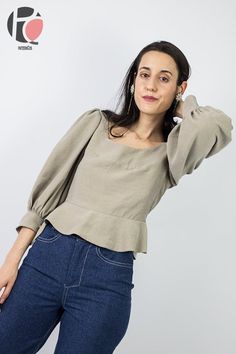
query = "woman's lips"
x=149 y=99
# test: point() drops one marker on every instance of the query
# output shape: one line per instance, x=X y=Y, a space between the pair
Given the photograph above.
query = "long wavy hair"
x=123 y=118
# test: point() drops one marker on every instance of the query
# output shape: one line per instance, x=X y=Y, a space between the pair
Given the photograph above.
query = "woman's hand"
x=9 y=269
x=8 y=275
x=179 y=109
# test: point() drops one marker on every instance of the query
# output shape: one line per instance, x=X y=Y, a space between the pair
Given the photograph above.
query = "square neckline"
x=125 y=145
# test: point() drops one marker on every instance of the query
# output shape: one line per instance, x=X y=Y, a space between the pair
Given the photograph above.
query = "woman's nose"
x=151 y=86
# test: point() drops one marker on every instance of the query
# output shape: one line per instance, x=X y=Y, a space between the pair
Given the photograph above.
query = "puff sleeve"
x=203 y=131
x=52 y=183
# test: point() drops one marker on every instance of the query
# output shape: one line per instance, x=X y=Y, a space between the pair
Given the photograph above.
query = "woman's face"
x=150 y=80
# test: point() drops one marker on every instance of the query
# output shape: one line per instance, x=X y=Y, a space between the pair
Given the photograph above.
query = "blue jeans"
x=66 y=279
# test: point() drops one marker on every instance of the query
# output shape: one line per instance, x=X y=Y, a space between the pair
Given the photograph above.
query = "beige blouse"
x=104 y=190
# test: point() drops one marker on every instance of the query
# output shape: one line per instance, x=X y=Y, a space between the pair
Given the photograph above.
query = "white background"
x=185 y=290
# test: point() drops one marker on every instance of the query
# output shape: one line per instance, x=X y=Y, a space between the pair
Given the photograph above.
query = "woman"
x=86 y=218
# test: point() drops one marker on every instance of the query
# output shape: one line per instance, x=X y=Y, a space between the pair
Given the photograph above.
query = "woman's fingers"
x=8 y=275
x=6 y=291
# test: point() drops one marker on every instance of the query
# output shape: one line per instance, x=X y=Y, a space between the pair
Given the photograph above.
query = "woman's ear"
x=183 y=87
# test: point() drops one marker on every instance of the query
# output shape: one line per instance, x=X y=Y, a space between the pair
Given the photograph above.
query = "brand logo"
x=25 y=25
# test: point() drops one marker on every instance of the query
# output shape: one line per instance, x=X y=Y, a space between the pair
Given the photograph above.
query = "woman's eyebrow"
x=163 y=70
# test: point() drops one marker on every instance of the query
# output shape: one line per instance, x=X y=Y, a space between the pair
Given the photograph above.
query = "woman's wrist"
x=20 y=245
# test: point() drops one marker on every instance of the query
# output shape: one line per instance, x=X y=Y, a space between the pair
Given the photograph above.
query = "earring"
x=132 y=92
x=132 y=89
x=178 y=97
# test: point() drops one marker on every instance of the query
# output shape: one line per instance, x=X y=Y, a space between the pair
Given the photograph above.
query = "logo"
x=25 y=25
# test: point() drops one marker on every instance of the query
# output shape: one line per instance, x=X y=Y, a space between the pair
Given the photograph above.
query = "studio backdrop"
x=61 y=58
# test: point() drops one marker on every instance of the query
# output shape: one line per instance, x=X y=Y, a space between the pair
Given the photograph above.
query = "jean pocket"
x=120 y=259
x=49 y=234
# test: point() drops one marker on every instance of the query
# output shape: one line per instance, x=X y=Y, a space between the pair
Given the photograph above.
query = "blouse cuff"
x=31 y=220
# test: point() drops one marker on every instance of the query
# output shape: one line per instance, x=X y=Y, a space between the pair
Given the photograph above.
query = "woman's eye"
x=165 y=78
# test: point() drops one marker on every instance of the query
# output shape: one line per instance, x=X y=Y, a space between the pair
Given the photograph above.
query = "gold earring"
x=132 y=93
x=178 y=98
x=132 y=89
